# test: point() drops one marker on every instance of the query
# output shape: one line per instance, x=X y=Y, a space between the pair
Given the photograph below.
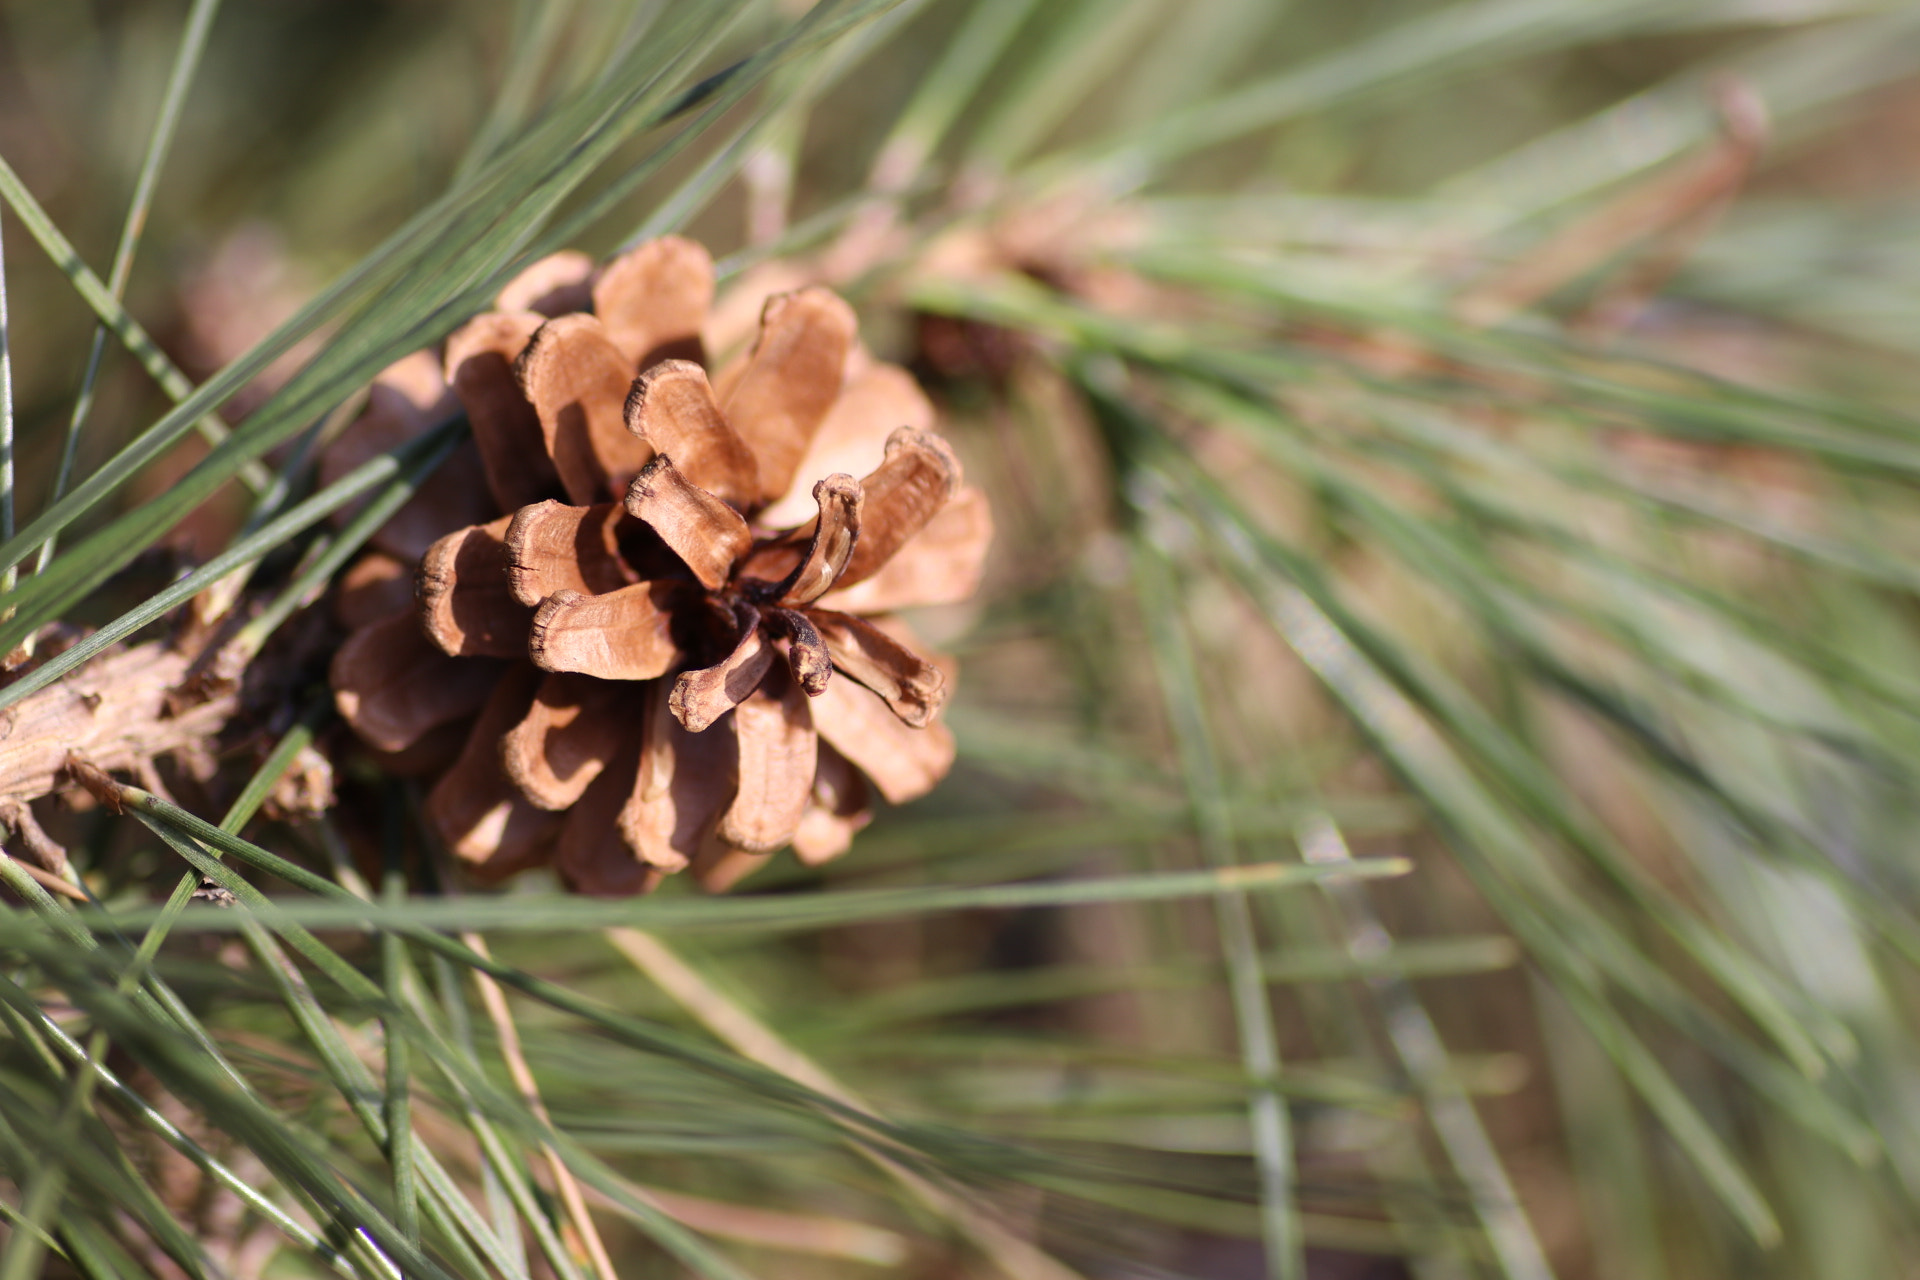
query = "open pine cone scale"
x=671 y=635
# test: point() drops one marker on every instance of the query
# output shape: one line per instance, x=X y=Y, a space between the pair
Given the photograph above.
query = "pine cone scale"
x=903 y=762
x=622 y=635
x=554 y=547
x=703 y=696
x=836 y=532
x=654 y=300
x=774 y=728
x=392 y=684
x=672 y=408
x=575 y=727
x=942 y=564
x=506 y=430
x=790 y=381
x=467 y=606
x=902 y=495
x=577 y=381
x=553 y=286
x=593 y=851
x=486 y=821
x=708 y=535
x=912 y=687
x=683 y=785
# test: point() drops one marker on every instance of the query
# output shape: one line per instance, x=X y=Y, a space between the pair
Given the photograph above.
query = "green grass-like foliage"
x=1435 y=789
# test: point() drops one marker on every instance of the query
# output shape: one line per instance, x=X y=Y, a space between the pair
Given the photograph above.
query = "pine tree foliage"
x=1438 y=744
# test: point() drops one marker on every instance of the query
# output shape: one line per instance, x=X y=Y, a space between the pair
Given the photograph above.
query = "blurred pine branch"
x=1593 y=607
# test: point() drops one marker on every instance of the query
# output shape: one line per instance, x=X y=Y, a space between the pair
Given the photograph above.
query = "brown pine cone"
x=659 y=603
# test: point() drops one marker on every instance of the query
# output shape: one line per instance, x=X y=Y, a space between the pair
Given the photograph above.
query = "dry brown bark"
x=116 y=711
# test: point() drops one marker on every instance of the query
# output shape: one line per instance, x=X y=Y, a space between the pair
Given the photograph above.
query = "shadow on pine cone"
x=642 y=621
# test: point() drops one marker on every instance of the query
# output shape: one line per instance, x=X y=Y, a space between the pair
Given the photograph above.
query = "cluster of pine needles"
x=1439 y=741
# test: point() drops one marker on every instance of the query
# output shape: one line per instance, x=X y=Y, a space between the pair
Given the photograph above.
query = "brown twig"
x=112 y=713
x=586 y=1237
x=1674 y=209
x=1017 y=1258
x=45 y=851
x=769 y=1229
x=50 y=881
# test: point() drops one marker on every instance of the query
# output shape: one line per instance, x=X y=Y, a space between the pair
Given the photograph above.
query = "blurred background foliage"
x=1463 y=444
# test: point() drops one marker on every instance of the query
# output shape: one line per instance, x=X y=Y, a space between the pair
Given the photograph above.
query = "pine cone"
x=664 y=661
